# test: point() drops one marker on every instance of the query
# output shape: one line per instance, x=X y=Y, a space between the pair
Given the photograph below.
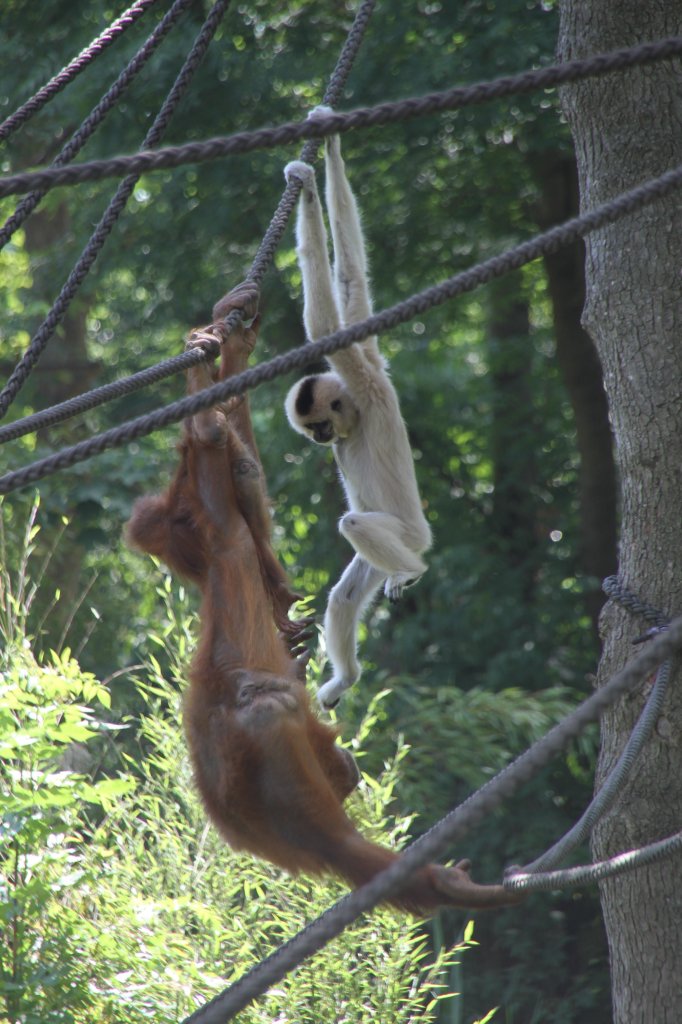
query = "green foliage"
x=119 y=901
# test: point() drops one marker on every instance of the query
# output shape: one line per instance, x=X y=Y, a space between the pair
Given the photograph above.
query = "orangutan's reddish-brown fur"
x=269 y=771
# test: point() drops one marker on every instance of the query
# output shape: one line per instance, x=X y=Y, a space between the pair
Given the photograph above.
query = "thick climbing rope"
x=183 y=361
x=537 y=875
x=97 y=115
x=431 y=845
x=383 y=113
x=262 y=260
x=588 y=874
x=74 y=68
x=113 y=211
x=496 y=266
x=613 y=785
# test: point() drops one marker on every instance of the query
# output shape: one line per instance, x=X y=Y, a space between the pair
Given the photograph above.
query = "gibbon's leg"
x=378 y=538
x=320 y=314
x=345 y=607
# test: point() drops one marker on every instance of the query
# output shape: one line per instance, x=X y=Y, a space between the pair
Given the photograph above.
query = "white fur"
x=385 y=524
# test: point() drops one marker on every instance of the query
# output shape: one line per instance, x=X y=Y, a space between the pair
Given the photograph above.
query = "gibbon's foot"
x=331 y=693
x=399 y=582
x=299 y=171
x=456 y=883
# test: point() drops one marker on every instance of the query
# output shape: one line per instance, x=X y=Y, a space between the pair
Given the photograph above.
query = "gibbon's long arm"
x=270 y=774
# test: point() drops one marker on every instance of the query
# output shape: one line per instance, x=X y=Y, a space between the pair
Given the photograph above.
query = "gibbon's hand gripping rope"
x=430 y=847
x=548 y=241
x=78 y=64
x=383 y=113
x=113 y=210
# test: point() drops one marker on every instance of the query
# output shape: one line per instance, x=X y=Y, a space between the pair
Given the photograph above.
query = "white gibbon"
x=354 y=409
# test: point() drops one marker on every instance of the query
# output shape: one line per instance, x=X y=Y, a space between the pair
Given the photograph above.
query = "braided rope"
x=614 y=782
x=78 y=64
x=430 y=846
x=112 y=213
x=616 y=590
x=540 y=245
x=261 y=262
x=383 y=113
x=587 y=874
x=97 y=115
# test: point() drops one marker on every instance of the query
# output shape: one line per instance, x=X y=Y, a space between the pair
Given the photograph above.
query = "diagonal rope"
x=538 y=875
x=431 y=845
x=363 y=117
x=496 y=266
x=261 y=262
x=614 y=783
x=97 y=115
x=74 y=68
x=615 y=780
x=113 y=211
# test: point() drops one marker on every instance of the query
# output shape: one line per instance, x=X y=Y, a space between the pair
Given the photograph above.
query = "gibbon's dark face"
x=321 y=408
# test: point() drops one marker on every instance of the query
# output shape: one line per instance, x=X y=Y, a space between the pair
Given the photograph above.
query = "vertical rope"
x=113 y=211
x=337 y=81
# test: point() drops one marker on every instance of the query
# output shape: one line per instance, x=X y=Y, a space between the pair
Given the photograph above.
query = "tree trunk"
x=627 y=127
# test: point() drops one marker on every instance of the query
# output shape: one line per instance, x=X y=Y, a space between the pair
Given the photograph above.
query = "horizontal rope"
x=98 y=396
x=546 y=242
x=317 y=128
x=431 y=845
x=588 y=874
x=96 y=116
x=74 y=68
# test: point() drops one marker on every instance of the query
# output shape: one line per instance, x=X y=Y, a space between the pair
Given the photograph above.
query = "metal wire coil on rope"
x=363 y=117
x=74 y=68
x=496 y=266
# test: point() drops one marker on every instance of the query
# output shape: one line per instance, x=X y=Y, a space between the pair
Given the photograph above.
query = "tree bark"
x=627 y=128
